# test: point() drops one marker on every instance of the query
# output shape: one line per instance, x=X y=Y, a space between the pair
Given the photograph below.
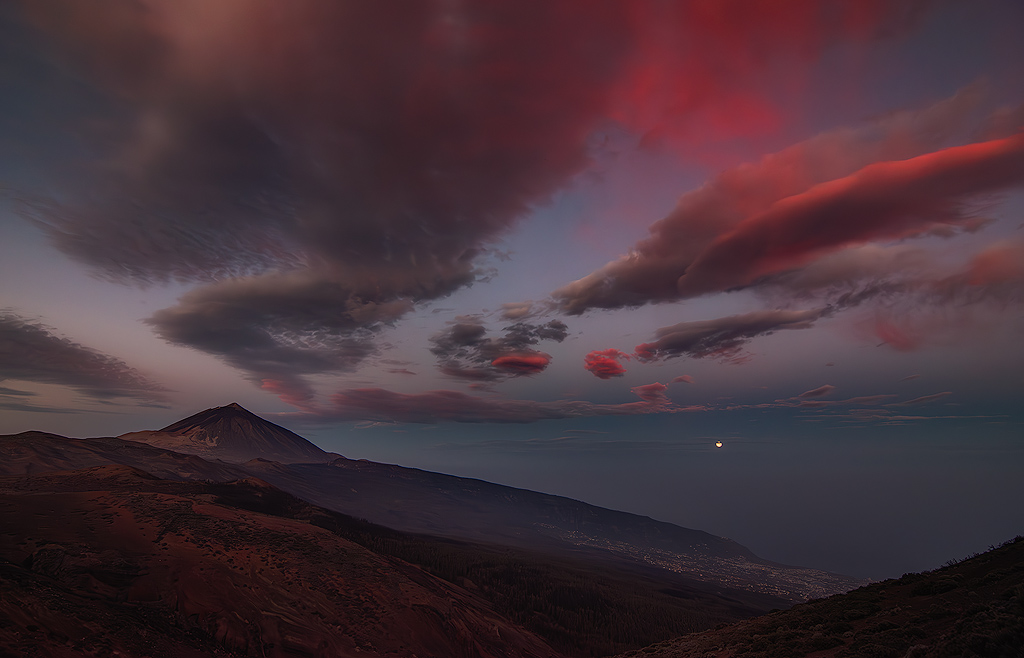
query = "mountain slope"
x=232 y=434
x=31 y=453
x=971 y=609
x=184 y=561
x=583 y=604
x=421 y=501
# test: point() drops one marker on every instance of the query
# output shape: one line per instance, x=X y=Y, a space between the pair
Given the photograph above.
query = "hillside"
x=113 y=561
x=970 y=609
x=236 y=443
x=421 y=501
x=580 y=607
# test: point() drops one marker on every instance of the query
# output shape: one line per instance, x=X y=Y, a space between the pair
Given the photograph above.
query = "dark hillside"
x=970 y=609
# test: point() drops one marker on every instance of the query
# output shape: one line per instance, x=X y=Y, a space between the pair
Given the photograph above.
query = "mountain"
x=413 y=500
x=232 y=434
x=114 y=561
x=583 y=603
x=419 y=501
x=969 y=609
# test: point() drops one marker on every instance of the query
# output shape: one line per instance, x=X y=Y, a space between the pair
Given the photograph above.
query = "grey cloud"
x=279 y=326
x=465 y=352
x=31 y=351
x=723 y=337
x=315 y=201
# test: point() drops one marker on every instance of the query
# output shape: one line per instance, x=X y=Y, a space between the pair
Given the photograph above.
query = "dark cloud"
x=21 y=405
x=33 y=352
x=375 y=404
x=604 y=364
x=722 y=338
x=14 y=392
x=279 y=327
x=464 y=351
x=321 y=167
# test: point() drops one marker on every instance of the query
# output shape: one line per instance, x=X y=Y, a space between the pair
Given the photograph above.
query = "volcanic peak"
x=234 y=434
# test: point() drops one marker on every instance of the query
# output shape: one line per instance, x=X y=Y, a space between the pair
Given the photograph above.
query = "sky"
x=565 y=246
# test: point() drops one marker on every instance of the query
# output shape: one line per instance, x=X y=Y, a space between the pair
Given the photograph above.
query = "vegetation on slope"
x=580 y=607
x=969 y=609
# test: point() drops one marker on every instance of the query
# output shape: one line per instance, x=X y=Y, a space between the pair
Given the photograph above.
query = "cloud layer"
x=375 y=404
x=320 y=168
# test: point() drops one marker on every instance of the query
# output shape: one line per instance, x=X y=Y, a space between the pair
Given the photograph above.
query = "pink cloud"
x=604 y=364
x=682 y=379
x=818 y=392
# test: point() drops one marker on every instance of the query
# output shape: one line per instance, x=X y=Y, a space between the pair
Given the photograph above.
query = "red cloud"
x=682 y=379
x=706 y=71
x=884 y=201
x=787 y=191
x=523 y=363
x=653 y=393
x=605 y=363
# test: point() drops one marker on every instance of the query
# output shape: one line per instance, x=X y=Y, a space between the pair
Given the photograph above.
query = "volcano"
x=233 y=434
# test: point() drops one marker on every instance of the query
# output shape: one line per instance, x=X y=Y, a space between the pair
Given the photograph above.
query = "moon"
x=718 y=444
